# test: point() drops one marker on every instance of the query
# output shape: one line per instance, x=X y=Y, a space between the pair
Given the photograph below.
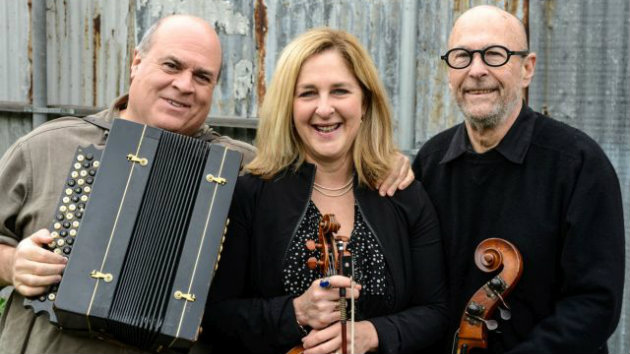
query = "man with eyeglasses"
x=510 y=172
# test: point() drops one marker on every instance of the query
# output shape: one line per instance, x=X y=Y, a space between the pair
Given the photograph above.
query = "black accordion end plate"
x=150 y=241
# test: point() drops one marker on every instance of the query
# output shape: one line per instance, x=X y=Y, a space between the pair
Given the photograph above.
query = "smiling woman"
x=325 y=138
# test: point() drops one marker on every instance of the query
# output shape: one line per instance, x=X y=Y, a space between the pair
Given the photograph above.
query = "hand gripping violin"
x=335 y=260
x=476 y=320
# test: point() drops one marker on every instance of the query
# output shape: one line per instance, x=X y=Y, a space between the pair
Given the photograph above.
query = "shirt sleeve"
x=13 y=192
x=592 y=264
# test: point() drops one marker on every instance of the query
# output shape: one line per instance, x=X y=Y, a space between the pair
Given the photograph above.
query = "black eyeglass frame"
x=482 y=53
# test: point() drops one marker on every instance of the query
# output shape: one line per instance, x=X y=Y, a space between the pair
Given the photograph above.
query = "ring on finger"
x=324 y=283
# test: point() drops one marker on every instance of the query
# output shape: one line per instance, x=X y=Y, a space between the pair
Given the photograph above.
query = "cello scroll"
x=476 y=320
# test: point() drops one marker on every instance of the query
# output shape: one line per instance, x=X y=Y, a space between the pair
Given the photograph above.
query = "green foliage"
x=3 y=301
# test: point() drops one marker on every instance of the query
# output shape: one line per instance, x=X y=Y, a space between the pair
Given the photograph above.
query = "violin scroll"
x=490 y=255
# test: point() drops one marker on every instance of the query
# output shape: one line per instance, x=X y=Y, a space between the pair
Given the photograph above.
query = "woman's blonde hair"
x=277 y=140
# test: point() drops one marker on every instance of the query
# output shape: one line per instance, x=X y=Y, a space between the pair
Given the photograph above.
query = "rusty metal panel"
x=88 y=51
x=15 y=75
x=583 y=79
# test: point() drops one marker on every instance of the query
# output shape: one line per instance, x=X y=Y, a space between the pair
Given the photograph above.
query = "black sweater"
x=549 y=189
x=249 y=311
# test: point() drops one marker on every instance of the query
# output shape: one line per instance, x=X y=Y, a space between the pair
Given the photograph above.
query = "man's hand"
x=400 y=177
x=34 y=268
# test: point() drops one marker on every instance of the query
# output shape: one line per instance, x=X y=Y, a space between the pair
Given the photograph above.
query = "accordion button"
x=74 y=174
x=42 y=298
x=87 y=189
x=89 y=180
x=69 y=216
x=59 y=217
x=75 y=198
x=68 y=191
x=57 y=226
x=73 y=232
x=78 y=215
x=78 y=190
x=57 y=251
x=72 y=207
x=54 y=234
x=83 y=173
x=66 y=224
x=96 y=164
x=63 y=233
x=61 y=242
x=87 y=164
x=67 y=250
x=63 y=209
x=80 y=157
x=69 y=241
x=80 y=181
x=66 y=200
x=71 y=182
x=52 y=296
x=77 y=166
x=75 y=224
x=84 y=198
x=52 y=244
x=89 y=157
x=92 y=173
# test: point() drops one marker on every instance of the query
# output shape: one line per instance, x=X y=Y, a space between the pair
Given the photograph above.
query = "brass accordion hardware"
x=188 y=297
x=212 y=178
x=134 y=158
x=108 y=277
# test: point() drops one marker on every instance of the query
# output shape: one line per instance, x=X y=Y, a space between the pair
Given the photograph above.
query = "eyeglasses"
x=496 y=55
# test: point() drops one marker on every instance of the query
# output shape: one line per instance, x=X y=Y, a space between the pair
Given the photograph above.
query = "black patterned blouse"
x=370 y=269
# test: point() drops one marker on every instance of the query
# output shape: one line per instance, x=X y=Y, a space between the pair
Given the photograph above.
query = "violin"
x=476 y=320
x=335 y=260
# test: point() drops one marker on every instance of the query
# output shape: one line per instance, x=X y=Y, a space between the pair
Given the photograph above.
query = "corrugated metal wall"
x=582 y=74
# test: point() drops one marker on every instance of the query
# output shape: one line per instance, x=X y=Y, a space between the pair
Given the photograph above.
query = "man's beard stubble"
x=492 y=119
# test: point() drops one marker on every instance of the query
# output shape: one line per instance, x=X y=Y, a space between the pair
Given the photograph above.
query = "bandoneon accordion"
x=142 y=224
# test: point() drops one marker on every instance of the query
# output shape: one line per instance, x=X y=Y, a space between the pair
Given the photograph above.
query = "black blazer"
x=248 y=310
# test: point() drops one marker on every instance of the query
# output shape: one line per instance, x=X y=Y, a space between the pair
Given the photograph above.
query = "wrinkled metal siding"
x=583 y=79
x=582 y=74
x=88 y=51
x=14 y=51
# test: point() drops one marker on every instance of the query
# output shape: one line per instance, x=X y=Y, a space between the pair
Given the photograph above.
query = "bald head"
x=491 y=16
x=185 y=23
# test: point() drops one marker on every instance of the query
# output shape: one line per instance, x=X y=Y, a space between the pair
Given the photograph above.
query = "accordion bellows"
x=150 y=238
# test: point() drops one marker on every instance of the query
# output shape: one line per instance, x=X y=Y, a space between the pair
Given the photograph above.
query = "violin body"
x=476 y=320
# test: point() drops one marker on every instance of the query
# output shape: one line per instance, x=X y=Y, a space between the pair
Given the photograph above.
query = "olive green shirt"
x=32 y=174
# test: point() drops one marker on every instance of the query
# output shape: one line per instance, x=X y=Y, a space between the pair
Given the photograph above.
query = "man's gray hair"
x=147 y=39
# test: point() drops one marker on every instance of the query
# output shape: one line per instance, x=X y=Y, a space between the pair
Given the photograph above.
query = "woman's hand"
x=318 y=306
x=328 y=340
